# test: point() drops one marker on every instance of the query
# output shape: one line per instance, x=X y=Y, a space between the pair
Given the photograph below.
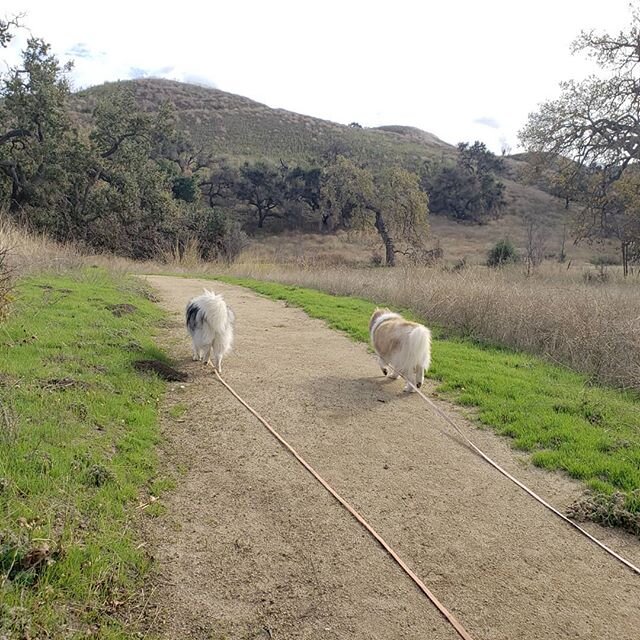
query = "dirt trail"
x=251 y=546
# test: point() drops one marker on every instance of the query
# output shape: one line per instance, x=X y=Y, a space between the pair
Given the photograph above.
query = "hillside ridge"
x=220 y=119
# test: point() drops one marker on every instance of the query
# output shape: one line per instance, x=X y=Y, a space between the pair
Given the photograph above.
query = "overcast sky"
x=463 y=70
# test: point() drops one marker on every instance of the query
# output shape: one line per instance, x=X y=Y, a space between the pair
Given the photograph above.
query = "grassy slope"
x=243 y=129
x=76 y=454
x=591 y=433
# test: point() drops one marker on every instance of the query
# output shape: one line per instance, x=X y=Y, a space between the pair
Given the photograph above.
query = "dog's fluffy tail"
x=415 y=353
x=208 y=315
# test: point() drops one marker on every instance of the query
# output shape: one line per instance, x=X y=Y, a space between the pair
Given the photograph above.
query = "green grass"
x=77 y=433
x=591 y=433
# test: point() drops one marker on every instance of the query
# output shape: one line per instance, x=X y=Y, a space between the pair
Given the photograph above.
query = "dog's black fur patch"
x=193 y=321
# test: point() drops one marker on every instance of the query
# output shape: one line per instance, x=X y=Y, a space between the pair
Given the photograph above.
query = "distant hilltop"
x=237 y=126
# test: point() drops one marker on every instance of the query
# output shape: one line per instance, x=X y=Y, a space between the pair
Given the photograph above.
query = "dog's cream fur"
x=404 y=345
x=210 y=324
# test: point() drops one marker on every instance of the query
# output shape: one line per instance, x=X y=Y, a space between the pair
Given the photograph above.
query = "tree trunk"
x=390 y=252
x=326 y=222
x=625 y=258
x=18 y=197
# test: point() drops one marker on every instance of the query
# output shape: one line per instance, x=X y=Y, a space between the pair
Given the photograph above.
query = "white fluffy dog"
x=404 y=345
x=210 y=323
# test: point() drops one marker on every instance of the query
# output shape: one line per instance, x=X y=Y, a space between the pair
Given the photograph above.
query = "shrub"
x=218 y=236
x=605 y=261
x=467 y=191
x=233 y=243
x=598 y=276
x=503 y=252
x=185 y=188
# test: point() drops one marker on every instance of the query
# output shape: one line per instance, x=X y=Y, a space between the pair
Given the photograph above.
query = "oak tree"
x=391 y=202
x=595 y=124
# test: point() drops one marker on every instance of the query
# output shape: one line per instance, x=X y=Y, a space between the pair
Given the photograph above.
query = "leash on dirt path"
x=443 y=610
x=513 y=479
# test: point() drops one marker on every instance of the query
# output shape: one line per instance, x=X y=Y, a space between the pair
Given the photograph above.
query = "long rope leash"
x=513 y=479
x=443 y=610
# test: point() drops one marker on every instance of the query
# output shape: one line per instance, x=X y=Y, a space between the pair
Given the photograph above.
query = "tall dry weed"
x=183 y=255
x=30 y=253
x=6 y=280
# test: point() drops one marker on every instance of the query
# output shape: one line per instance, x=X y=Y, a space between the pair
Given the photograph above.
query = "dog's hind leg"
x=382 y=365
x=419 y=376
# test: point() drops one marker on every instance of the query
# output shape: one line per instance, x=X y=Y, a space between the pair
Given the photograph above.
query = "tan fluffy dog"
x=404 y=345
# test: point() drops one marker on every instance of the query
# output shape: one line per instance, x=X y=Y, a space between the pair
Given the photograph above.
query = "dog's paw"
x=409 y=389
x=195 y=358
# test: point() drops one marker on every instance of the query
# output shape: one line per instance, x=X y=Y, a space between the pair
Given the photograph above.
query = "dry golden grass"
x=472 y=242
x=29 y=253
x=179 y=257
x=343 y=248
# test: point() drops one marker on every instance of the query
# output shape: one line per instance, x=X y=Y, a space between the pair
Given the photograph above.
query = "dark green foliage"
x=33 y=128
x=503 y=252
x=219 y=183
x=262 y=193
x=98 y=186
x=476 y=158
x=303 y=185
x=185 y=188
x=219 y=236
x=467 y=190
x=262 y=188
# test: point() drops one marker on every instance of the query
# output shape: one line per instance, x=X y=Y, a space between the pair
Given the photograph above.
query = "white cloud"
x=203 y=81
x=485 y=121
x=80 y=50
